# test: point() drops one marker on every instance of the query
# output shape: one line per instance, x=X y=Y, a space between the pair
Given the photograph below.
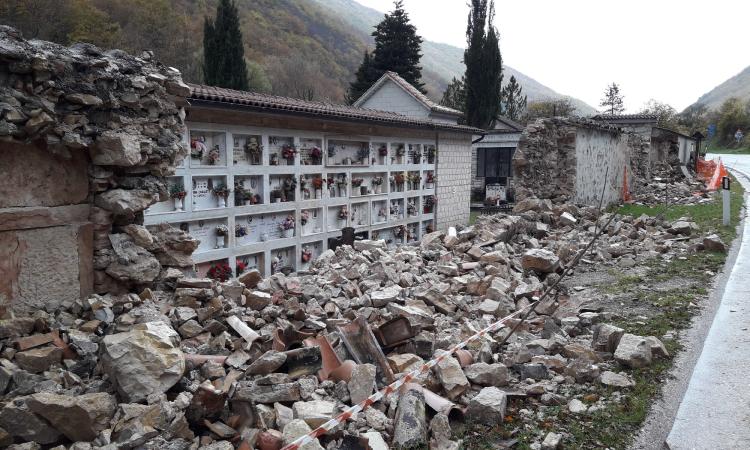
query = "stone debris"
x=226 y=364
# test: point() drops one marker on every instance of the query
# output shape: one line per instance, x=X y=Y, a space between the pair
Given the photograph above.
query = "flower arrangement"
x=383 y=150
x=400 y=231
x=411 y=209
x=331 y=150
x=198 y=147
x=342 y=180
x=363 y=154
x=401 y=150
x=304 y=217
x=431 y=154
x=430 y=177
x=214 y=155
x=429 y=203
x=377 y=181
x=316 y=154
x=222 y=230
x=220 y=271
x=241 y=267
x=253 y=149
x=398 y=178
x=306 y=255
x=415 y=178
x=303 y=182
x=240 y=231
x=241 y=194
x=177 y=190
x=343 y=213
x=290 y=183
x=317 y=183
x=357 y=182
x=288 y=151
x=275 y=193
x=221 y=190
x=287 y=224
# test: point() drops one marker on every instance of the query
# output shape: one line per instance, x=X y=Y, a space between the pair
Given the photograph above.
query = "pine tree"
x=365 y=76
x=512 y=99
x=455 y=94
x=613 y=100
x=483 y=66
x=397 y=48
x=223 y=52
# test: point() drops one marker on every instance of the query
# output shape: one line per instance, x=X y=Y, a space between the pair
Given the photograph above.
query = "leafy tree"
x=89 y=24
x=695 y=118
x=223 y=51
x=666 y=116
x=733 y=115
x=364 y=78
x=397 y=48
x=484 y=73
x=512 y=99
x=562 y=107
x=613 y=100
x=455 y=94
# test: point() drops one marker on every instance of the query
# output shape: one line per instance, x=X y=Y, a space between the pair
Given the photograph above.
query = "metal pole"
x=725 y=199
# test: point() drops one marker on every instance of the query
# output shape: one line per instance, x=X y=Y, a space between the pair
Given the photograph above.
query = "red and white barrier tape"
x=411 y=376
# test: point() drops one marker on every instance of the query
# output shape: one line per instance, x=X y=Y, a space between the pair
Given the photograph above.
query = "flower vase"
x=222 y=202
x=219 y=241
x=248 y=202
x=264 y=237
x=178 y=205
x=318 y=193
x=342 y=223
x=376 y=189
x=363 y=190
x=289 y=233
x=428 y=185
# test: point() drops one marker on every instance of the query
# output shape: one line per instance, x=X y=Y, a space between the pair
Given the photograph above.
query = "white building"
x=387 y=175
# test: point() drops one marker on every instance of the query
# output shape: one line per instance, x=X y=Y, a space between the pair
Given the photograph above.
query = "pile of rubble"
x=257 y=363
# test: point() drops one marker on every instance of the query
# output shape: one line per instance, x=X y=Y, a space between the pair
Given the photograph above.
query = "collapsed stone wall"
x=112 y=123
x=567 y=159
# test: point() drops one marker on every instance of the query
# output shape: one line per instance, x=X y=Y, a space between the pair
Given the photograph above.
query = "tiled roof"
x=651 y=117
x=286 y=105
x=414 y=92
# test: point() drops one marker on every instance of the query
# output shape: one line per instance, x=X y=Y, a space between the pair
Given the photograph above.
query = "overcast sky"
x=670 y=50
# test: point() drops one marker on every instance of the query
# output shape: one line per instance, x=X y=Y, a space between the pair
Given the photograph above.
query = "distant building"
x=393 y=93
x=491 y=154
x=665 y=146
x=491 y=162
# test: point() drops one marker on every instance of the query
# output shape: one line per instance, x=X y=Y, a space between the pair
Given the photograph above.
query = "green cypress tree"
x=210 y=55
x=513 y=100
x=398 y=47
x=484 y=72
x=455 y=94
x=224 y=60
x=365 y=76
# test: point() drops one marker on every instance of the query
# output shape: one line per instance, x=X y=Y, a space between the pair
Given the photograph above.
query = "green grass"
x=473 y=217
x=723 y=150
x=707 y=216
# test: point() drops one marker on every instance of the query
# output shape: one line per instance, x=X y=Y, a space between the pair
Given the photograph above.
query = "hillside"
x=299 y=48
x=737 y=86
x=441 y=62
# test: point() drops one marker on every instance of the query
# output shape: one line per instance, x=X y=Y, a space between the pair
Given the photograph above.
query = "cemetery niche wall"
x=285 y=176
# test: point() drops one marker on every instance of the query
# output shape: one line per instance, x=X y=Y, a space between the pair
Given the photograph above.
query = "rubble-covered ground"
x=256 y=363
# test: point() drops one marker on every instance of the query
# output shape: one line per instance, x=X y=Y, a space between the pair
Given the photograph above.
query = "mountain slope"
x=737 y=86
x=440 y=62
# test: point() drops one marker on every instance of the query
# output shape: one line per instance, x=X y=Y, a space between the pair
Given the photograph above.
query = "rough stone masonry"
x=567 y=159
x=86 y=139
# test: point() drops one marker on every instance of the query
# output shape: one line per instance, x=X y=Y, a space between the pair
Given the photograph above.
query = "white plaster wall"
x=391 y=97
x=453 y=180
x=596 y=151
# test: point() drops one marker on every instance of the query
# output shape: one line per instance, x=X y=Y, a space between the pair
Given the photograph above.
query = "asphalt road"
x=706 y=405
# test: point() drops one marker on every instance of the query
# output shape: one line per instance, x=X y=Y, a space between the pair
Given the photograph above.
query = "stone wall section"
x=566 y=159
x=87 y=139
x=454 y=180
